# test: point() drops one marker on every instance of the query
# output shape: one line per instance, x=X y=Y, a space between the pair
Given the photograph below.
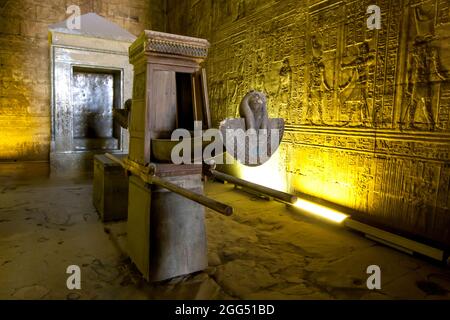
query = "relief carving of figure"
x=359 y=82
x=284 y=87
x=423 y=62
x=317 y=85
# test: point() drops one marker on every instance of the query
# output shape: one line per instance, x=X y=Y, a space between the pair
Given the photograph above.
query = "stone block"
x=110 y=191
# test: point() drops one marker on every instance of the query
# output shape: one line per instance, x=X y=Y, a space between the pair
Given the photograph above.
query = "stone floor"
x=263 y=251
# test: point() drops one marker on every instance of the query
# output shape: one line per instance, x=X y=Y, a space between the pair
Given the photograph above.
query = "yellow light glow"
x=270 y=174
x=320 y=211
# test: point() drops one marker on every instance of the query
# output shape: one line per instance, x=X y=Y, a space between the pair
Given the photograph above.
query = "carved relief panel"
x=367 y=111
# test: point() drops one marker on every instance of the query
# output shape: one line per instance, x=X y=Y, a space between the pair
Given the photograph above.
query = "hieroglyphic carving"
x=443 y=12
x=407 y=146
x=414 y=192
x=345 y=92
x=402 y=187
x=443 y=118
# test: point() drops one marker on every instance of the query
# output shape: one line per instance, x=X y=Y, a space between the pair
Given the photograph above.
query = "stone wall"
x=367 y=112
x=24 y=64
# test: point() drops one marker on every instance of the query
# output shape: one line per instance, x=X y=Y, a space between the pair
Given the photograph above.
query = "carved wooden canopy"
x=159 y=42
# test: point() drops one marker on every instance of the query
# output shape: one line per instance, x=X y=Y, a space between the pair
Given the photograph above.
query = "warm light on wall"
x=321 y=211
x=29 y=141
x=270 y=174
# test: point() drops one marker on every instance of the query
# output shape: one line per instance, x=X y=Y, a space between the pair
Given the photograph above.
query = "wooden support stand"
x=166 y=231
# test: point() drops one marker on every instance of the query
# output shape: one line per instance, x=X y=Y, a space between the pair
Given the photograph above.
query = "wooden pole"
x=205 y=201
x=152 y=179
x=283 y=196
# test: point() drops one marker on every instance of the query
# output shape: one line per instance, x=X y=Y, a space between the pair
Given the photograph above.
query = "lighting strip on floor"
x=396 y=241
x=378 y=235
x=320 y=211
x=331 y=215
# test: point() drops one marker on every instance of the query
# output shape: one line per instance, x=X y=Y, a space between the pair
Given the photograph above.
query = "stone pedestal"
x=166 y=232
x=110 y=190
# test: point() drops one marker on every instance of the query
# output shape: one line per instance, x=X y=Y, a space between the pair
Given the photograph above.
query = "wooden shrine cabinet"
x=166 y=232
x=169 y=89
